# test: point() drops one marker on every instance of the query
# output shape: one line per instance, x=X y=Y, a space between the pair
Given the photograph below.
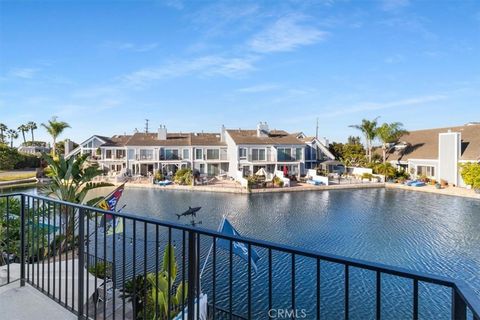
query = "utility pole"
x=316 y=132
x=146 y=125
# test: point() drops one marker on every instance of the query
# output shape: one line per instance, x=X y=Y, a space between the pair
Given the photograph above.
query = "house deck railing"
x=286 y=282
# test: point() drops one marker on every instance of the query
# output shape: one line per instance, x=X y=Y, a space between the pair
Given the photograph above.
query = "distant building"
x=35 y=149
x=437 y=153
x=226 y=153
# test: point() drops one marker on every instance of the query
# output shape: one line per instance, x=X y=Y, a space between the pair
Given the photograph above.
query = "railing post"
x=459 y=307
x=22 y=240
x=192 y=273
x=81 y=261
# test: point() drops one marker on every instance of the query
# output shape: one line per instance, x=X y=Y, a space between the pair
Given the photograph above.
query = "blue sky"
x=105 y=66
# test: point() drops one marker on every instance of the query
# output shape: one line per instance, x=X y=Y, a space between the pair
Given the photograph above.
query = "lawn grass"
x=13 y=175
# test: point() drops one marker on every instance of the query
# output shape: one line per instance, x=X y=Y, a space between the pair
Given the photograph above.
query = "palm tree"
x=32 y=126
x=12 y=135
x=3 y=129
x=369 y=130
x=55 y=128
x=23 y=128
x=389 y=133
x=71 y=180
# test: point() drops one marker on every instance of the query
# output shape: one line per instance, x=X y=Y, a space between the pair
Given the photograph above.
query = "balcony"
x=132 y=258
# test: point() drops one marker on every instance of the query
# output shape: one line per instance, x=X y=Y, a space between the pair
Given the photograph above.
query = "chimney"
x=68 y=146
x=162 y=133
x=222 y=133
x=262 y=129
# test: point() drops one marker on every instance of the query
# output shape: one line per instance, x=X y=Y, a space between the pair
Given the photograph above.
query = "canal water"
x=430 y=233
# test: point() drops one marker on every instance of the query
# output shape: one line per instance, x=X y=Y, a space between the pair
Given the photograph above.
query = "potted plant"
x=438 y=185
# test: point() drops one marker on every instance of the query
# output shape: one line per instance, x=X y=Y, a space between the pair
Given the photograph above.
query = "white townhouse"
x=437 y=153
x=149 y=152
x=251 y=150
x=143 y=153
x=226 y=153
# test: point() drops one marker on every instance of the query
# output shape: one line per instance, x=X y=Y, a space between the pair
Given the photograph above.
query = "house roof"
x=423 y=144
x=115 y=141
x=175 y=139
x=275 y=137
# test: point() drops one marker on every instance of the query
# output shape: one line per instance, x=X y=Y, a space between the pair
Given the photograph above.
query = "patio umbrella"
x=261 y=172
x=285 y=170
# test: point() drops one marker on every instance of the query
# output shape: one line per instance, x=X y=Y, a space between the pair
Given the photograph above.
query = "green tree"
x=32 y=126
x=369 y=130
x=389 y=133
x=12 y=135
x=351 y=153
x=3 y=129
x=55 y=128
x=22 y=129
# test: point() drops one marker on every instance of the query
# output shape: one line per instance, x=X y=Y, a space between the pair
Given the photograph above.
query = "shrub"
x=470 y=173
x=385 y=169
x=367 y=175
x=183 y=176
x=277 y=181
x=159 y=176
x=102 y=270
x=11 y=159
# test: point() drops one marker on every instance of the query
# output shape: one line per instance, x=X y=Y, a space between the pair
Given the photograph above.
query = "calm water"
x=425 y=232
x=431 y=233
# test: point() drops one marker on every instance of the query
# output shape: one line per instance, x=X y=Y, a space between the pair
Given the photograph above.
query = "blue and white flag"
x=238 y=248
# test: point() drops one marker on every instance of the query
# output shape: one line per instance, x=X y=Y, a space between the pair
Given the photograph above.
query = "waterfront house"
x=437 y=153
x=232 y=152
x=150 y=152
x=272 y=150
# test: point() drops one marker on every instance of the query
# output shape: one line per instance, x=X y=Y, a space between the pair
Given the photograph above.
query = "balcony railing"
x=58 y=244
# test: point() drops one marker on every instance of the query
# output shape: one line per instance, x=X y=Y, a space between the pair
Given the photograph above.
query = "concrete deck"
x=25 y=303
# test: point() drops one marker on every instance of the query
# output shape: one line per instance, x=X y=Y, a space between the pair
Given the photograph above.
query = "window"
x=202 y=168
x=171 y=154
x=284 y=154
x=242 y=153
x=258 y=154
x=120 y=154
x=146 y=154
x=428 y=171
x=198 y=154
x=298 y=154
x=213 y=154
x=108 y=154
x=186 y=154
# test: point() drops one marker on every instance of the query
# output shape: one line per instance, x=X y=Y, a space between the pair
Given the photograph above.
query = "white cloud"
x=392 y=5
x=129 y=46
x=286 y=34
x=205 y=66
x=175 y=4
x=24 y=73
x=259 y=88
x=394 y=59
x=372 y=106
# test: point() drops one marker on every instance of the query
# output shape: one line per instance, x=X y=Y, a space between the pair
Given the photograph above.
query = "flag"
x=115 y=226
x=110 y=202
x=238 y=248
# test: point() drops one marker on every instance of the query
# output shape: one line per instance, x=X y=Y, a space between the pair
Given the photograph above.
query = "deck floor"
x=27 y=303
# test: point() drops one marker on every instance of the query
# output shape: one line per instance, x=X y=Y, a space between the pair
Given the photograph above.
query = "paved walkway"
x=448 y=191
x=25 y=303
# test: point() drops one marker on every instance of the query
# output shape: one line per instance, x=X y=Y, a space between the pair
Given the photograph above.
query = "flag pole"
x=211 y=247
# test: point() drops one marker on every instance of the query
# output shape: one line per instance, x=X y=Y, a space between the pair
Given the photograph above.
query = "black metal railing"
x=105 y=265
